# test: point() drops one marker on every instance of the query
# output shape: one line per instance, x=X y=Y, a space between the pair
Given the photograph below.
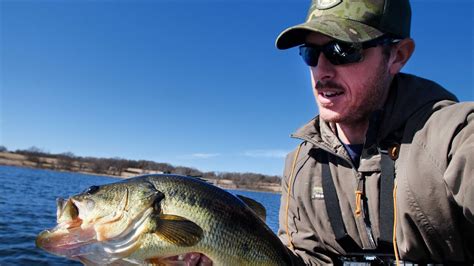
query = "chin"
x=332 y=119
x=330 y=116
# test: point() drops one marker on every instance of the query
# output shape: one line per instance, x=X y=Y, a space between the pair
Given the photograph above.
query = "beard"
x=363 y=104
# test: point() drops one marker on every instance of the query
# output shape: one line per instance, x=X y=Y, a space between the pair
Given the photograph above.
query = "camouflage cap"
x=351 y=21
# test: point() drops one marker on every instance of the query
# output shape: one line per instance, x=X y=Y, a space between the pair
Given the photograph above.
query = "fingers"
x=192 y=259
x=205 y=261
x=197 y=259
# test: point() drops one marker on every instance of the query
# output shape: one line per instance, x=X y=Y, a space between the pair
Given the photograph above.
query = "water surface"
x=28 y=206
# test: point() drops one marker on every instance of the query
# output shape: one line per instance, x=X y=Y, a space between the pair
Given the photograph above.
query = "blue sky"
x=192 y=83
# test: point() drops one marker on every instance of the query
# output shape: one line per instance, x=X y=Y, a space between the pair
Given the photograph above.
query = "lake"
x=28 y=206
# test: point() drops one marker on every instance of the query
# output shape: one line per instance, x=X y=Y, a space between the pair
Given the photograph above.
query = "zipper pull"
x=359 y=193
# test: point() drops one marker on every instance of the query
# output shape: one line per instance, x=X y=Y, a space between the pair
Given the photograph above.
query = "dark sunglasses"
x=340 y=53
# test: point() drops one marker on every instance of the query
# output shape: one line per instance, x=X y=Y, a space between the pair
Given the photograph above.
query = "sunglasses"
x=341 y=53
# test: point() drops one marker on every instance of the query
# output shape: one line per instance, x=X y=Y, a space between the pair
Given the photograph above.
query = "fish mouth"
x=66 y=242
x=73 y=239
x=67 y=236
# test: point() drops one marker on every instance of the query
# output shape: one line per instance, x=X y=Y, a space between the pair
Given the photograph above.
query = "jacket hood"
x=408 y=94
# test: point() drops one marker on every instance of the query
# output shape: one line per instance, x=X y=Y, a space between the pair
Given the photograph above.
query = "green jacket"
x=434 y=181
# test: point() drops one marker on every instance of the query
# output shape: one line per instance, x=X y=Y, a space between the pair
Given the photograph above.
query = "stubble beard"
x=373 y=99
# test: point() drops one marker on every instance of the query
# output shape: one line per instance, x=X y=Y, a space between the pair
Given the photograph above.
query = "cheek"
x=354 y=83
x=311 y=73
x=361 y=79
x=313 y=84
x=90 y=204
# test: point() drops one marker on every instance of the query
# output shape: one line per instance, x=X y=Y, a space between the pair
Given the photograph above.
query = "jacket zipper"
x=363 y=212
x=368 y=228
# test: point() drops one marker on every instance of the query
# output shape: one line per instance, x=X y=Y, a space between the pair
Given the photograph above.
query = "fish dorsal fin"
x=256 y=207
x=178 y=230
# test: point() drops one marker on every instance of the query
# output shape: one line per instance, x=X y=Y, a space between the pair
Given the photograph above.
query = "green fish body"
x=152 y=219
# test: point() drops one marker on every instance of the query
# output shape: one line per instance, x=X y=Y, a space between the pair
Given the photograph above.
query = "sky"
x=195 y=83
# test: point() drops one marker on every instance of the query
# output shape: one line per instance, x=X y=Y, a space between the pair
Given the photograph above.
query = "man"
x=385 y=172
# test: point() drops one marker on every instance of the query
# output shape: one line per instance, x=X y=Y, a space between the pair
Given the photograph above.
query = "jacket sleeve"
x=300 y=230
x=459 y=174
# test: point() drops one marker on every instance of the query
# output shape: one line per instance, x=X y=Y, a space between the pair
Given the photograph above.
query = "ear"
x=400 y=54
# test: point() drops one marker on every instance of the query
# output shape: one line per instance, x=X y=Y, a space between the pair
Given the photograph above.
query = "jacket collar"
x=407 y=95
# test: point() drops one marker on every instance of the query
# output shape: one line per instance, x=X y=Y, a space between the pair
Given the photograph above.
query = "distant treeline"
x=118 y=166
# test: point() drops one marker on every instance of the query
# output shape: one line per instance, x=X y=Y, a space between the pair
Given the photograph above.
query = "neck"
x=352 y=133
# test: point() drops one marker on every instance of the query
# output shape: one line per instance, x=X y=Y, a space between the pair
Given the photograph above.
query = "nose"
x=324 y=70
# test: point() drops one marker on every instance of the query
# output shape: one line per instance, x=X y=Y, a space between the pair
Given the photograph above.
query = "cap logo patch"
x=325 y=4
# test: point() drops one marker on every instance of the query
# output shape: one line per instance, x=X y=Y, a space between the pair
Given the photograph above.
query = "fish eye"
x=92 y=190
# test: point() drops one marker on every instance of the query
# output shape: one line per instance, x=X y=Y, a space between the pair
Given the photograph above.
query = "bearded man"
x=384 y=173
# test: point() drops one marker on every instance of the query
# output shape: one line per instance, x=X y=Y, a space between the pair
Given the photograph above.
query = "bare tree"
x=65 y=161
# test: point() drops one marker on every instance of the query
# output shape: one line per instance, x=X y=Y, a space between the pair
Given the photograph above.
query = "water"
x=28 y=206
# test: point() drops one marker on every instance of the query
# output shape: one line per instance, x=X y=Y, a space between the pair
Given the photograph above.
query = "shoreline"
x=19 y=160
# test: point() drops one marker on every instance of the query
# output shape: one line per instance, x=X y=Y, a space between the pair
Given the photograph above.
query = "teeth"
x=331 y=94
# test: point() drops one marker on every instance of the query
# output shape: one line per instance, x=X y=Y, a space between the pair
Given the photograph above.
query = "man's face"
x=347 y=94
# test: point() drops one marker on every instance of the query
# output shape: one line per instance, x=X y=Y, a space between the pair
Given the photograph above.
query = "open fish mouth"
x=73 y=239
x=67 y=237
x=66 y=242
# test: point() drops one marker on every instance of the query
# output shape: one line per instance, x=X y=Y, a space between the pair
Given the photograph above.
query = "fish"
x=156 y=219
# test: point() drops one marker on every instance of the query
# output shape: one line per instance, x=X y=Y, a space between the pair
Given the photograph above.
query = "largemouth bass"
x=151 y=219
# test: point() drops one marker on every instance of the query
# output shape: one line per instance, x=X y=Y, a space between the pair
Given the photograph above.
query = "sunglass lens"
x=340 y=53
x=310 y=55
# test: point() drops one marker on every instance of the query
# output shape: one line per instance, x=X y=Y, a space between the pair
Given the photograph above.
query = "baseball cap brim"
x=337 y=28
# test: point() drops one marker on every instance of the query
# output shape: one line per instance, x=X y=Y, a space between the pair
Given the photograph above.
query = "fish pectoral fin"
x=178 y=230
x=256 y=207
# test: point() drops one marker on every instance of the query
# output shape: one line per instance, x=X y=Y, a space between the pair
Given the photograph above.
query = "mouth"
x=67 y=214
x=330 y=94
x=67 y=236
x=74 y=239
x=328 y=89
x=328 y=98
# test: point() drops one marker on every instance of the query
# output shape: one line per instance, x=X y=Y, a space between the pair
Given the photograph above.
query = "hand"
x=191 y=259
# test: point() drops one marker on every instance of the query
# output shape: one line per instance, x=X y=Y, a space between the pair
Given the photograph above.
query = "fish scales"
x=164 y=216
x=240 y=238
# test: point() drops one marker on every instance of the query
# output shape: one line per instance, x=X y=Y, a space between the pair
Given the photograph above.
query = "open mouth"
x=74 y=239
x=330 y=94
x=67 y=214
x=68 y=235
